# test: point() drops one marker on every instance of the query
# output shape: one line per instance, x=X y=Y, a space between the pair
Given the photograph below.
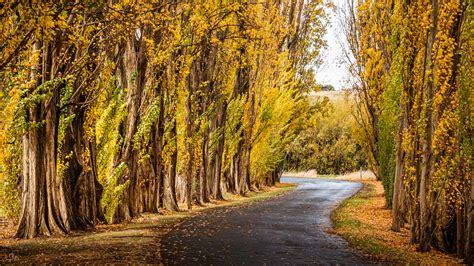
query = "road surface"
x=290 y=229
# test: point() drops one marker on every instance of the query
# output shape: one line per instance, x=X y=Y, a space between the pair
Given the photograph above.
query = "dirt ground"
x=136 y=242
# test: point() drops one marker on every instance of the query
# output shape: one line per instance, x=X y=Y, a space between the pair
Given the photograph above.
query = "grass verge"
x=365 y=223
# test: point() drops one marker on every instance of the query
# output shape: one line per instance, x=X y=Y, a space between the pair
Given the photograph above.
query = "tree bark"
x=469 y=247
x=189 y=140
x=43 y=207
x=81 y=184
x=131 y=75
x=203 y=175
x=221 y=121
x=169 y=196
x=426 y=164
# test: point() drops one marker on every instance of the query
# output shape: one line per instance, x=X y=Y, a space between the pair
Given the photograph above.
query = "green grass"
x=355 y=220
x=348 y=222
x=375 y=247
x=349 y=228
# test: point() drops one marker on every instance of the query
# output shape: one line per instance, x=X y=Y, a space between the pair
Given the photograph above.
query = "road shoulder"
x=134 y=242
x=364 y=221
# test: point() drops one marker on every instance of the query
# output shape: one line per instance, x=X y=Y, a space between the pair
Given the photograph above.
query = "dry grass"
x=354 y=176
x=365 y=222
x=365 y=175
x=307 y=174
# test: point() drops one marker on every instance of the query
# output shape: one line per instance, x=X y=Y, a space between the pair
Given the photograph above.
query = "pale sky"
x=332 y=70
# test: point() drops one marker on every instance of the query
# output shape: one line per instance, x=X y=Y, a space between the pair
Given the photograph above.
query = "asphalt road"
x=290 y=229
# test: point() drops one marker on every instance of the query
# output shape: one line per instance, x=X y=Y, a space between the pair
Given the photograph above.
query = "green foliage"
x=30 y=99
x=10 y=152
x=273 y=131
x=113 y=192
x=146 y=123
x=412 y=60
x=388 y=124
x=65 y=120
x=327 y=87
x=111 y=70
x=108 y=138
x=466 y=97
x=10 y=170
x=233 y=129
x=328 y=146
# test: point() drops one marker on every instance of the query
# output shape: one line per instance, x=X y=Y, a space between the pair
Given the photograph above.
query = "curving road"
x=290 y=229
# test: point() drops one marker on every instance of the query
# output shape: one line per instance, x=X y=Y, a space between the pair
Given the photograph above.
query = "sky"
x=332 y=72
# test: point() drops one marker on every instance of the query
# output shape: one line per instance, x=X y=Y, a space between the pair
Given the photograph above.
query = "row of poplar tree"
x=414 y=64
x=115 y=108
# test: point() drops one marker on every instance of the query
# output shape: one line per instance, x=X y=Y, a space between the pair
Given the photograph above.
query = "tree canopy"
x=413 y=66
x=115 y=108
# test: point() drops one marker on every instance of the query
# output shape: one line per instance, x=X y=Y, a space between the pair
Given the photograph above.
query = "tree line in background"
x=413 y=62
x=115 y=108
x=329 y=143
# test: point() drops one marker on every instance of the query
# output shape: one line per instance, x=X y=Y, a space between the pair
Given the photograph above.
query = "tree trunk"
x=169 y=197
x=247 y=145
x=204 y=171
x=398 y=189
x=221 y=121
x=425 y=212
x=469 y=247
x=241 y=160
x=203 y=175
x=43 y=207
x=81 y=184
x=131 y=75
x=189 y=142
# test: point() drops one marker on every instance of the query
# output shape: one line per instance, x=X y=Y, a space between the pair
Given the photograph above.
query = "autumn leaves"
x=135 y=106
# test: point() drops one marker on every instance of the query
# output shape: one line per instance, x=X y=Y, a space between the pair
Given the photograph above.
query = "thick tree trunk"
x=203 y=175
x=81 y=185
x=43 y=206
x=131 y=72
x=241 y=160
x=204 y=171
x=159 y=157
x=238 y=177
x=43 y=209
x=229 y=179
x=169 y=197
x=221 y=121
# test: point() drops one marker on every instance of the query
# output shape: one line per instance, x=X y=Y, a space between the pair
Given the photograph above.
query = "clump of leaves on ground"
x=365 y=222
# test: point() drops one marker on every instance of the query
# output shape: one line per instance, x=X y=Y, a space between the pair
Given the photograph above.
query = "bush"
x=328 y=146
